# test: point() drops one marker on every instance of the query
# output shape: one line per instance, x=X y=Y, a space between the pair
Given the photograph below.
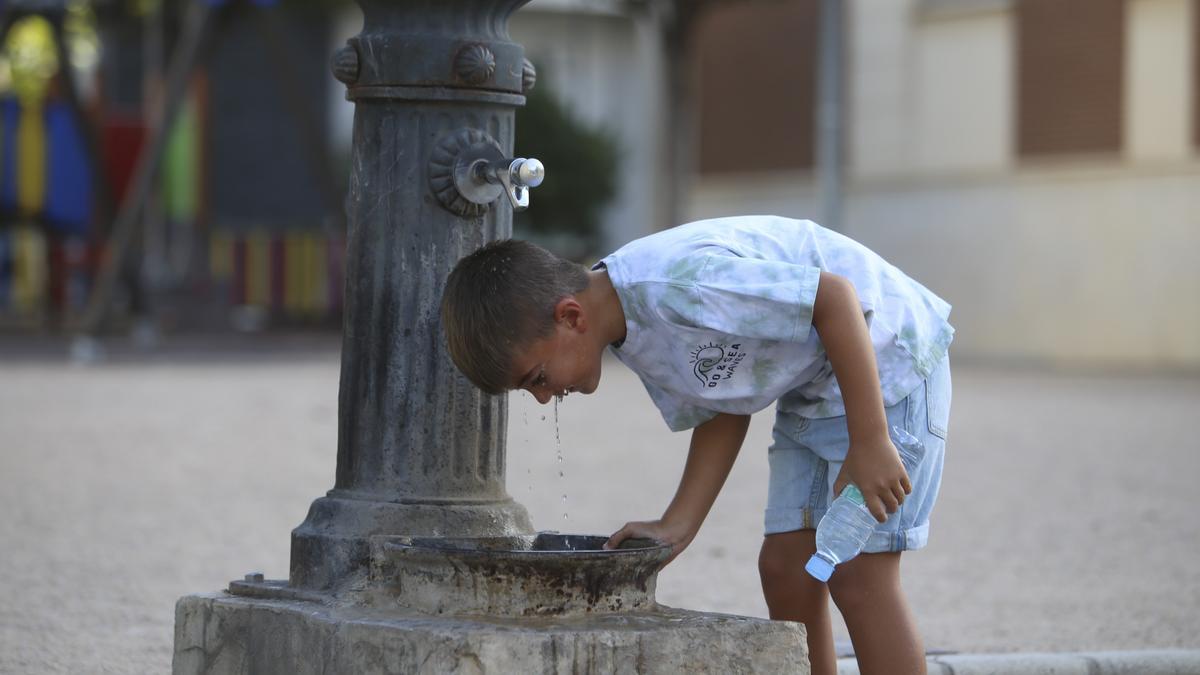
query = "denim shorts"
x=807 y=455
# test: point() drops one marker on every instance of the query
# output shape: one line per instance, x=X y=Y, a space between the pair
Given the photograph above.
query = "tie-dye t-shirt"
x=719 y=317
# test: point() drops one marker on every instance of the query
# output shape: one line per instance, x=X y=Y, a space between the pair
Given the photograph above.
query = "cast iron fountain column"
x=435 y=85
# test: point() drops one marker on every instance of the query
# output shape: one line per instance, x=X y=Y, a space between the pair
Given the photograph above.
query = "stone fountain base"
x=223 y=633
x=534 y=603
x=545 y=603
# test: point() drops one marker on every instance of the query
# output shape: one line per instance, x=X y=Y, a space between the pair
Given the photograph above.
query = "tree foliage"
x=581 y=166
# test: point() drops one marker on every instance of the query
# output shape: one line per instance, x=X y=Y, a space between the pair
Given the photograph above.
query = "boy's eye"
x=540 y=380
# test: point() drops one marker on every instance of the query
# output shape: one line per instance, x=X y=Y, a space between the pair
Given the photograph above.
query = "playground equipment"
x=84 y=197
x=51 y=184
x=199 y=33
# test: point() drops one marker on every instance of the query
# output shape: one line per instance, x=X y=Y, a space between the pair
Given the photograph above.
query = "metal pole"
x=830 y=112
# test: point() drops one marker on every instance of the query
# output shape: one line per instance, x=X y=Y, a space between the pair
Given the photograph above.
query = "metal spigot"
x=516 y=177
x=468 y=171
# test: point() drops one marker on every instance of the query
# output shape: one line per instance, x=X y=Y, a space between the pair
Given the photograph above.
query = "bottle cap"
x=819 y=567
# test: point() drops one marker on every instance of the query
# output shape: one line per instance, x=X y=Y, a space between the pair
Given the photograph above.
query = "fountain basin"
x=547 y=574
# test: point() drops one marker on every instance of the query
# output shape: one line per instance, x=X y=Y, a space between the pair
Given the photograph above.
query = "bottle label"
x=852 y=493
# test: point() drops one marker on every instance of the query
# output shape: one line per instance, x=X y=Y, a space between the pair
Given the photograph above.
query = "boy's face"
x=566 y=362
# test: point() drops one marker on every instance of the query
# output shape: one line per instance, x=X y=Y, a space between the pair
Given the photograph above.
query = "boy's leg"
x=793 y=595
x=868 y=594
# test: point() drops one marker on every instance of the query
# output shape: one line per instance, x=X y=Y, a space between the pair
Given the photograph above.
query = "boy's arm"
x=872 y=462
x=714 y=446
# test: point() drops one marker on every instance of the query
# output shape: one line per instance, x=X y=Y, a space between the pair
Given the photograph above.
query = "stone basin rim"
x=492 y=547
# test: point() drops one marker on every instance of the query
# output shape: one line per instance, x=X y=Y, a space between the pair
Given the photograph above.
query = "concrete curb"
x=1148 y=662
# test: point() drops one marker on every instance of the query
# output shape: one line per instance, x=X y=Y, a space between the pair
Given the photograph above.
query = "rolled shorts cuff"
x=778 y=521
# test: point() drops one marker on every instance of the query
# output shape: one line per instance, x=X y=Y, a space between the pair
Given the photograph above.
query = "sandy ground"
x=1066 y=520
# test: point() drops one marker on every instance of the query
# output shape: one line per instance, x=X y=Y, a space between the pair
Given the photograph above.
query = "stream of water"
x=562 y=478
x=558 y=451
x=525 y=439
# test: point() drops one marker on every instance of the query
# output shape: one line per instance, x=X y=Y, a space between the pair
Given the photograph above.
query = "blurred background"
x=1034 y=162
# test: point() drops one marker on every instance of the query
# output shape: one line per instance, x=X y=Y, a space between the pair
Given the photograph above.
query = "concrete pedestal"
x=223 y=633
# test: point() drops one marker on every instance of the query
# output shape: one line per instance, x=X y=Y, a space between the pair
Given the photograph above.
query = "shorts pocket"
x=937 y=400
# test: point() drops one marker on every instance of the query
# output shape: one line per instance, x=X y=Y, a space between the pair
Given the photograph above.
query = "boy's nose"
x=542 y=395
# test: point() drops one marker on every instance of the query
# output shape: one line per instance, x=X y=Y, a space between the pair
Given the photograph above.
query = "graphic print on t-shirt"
x=714 y=363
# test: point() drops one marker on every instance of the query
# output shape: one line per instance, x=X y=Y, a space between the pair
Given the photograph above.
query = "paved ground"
x=1066 y=521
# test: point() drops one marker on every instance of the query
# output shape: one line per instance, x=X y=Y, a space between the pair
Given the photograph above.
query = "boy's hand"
x=714 y=446
x=872 y=462
x=677 y=536
x=875 y=467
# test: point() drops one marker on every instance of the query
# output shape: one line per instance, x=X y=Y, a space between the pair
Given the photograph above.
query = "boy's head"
x=501 y=301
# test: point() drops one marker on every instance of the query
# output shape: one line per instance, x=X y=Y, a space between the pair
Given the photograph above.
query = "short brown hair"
x=500 y=299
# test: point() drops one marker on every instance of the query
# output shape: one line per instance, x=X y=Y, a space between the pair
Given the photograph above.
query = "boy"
x=721 y=318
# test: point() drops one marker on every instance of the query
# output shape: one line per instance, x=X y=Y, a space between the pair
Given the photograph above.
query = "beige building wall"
x=1075 y=260
x=603 y=58
x=1159 y=93
x=879 y=91
x=1078 y=267
x=959 y=116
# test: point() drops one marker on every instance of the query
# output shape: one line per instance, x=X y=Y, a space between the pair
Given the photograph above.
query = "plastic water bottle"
x=848 y=524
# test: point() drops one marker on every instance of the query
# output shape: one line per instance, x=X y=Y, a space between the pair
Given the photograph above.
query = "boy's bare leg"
x=867 y=592
x=793 y=595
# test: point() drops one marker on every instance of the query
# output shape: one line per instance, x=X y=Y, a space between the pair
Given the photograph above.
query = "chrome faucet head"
x=521 y=175
x=528 y=172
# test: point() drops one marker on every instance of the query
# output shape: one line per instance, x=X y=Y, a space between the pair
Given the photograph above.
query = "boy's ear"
x=569 y=311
